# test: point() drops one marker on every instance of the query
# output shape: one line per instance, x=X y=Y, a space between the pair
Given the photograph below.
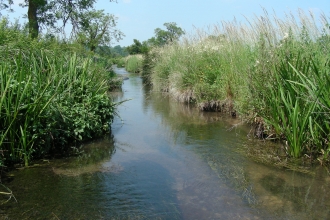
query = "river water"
x=166 y=160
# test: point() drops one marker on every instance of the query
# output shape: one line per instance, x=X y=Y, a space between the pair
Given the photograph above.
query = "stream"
x=166 y=160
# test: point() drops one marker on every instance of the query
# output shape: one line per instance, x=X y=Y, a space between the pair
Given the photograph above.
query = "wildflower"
x=257 y=62
x=286 y=35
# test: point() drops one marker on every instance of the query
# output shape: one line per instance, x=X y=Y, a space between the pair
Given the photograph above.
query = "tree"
x=171 y=34
x=48 y=12
x=135 y=48
x=138 y=47
x=5 y=4
x=35 y=7
x=97 y=28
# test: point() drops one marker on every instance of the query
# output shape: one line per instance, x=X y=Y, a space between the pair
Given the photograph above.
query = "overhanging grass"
x=50 y=97
x=271 y=67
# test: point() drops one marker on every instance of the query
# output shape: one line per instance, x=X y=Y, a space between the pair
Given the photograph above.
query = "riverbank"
x=272 y=73
x=54 y=96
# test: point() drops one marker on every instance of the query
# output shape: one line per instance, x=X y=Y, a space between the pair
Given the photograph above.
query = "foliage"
x=120 y=61
x=297 y=105
x=162 y=37
x=53 y=96
x=118 y=51
x=136 y=48
x=147 y=66
x=56 y=15
x=133 y=63
x=171 y=34
x=97 y=29
x=275 y=69
x=111 y=52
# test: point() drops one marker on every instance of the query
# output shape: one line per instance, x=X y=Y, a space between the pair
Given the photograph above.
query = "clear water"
x=166 y=160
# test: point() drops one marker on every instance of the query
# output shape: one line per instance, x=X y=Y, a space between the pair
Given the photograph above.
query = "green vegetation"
x=53 y=95
x=143 y=64
x=118 y=51
x=136 y=48
x=133 y=63
x=56 y=14
x=120 y=61
x=274 y=72
x=97 y=28
x=161 y=38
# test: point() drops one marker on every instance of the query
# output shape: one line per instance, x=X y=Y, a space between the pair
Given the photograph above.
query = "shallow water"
x=166 y=160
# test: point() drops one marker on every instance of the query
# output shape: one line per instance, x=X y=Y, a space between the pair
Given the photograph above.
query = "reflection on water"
x=90 y=160
x=165 y=160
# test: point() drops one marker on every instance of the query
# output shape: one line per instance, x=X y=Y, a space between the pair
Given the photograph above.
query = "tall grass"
x=298 y=106
x=133 y=63
x=51 y=98
x=268 y=67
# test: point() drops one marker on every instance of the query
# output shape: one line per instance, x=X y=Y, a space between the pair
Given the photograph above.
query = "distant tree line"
x=90 y=27
x=162 y=37
x=116 y=51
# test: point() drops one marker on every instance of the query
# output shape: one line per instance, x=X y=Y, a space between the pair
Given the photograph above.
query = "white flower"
x=257 y=62
x=286 y=35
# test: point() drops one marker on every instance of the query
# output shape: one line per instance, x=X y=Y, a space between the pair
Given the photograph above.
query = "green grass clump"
x=52 y=96
x=120 y=62
x=272 y=68
x=133 y=63
x=298 y=104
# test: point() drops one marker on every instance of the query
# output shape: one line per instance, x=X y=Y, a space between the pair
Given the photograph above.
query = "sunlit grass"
x=270 y=67
x=133 y=63
x=51 y=97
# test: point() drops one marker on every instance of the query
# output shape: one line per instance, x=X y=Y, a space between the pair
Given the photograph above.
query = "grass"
x=272 y=68
x=133 y=63
x=301 y=111
x=53 y=96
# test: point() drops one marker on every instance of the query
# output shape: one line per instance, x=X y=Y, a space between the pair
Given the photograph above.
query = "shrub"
x=51 y=97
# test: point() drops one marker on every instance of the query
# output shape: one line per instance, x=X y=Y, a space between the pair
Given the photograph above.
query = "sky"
x=138 y=19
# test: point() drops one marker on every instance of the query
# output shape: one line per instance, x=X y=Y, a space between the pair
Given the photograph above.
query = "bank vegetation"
x=271 y=72
x=53 y=95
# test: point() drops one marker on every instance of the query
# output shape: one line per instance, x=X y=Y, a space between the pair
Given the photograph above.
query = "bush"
x=51 y=97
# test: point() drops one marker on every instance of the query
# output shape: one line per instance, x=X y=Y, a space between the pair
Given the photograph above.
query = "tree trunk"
x=33 y=19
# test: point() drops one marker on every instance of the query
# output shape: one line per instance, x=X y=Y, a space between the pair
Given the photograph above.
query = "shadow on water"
x=166 y=160
x=92 y=187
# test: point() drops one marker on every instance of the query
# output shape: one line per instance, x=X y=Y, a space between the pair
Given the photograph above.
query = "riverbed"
x=167 y=160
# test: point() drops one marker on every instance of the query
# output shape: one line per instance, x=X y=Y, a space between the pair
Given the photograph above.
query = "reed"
x=51 y=99
x=292 y=108
x=266 y=67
